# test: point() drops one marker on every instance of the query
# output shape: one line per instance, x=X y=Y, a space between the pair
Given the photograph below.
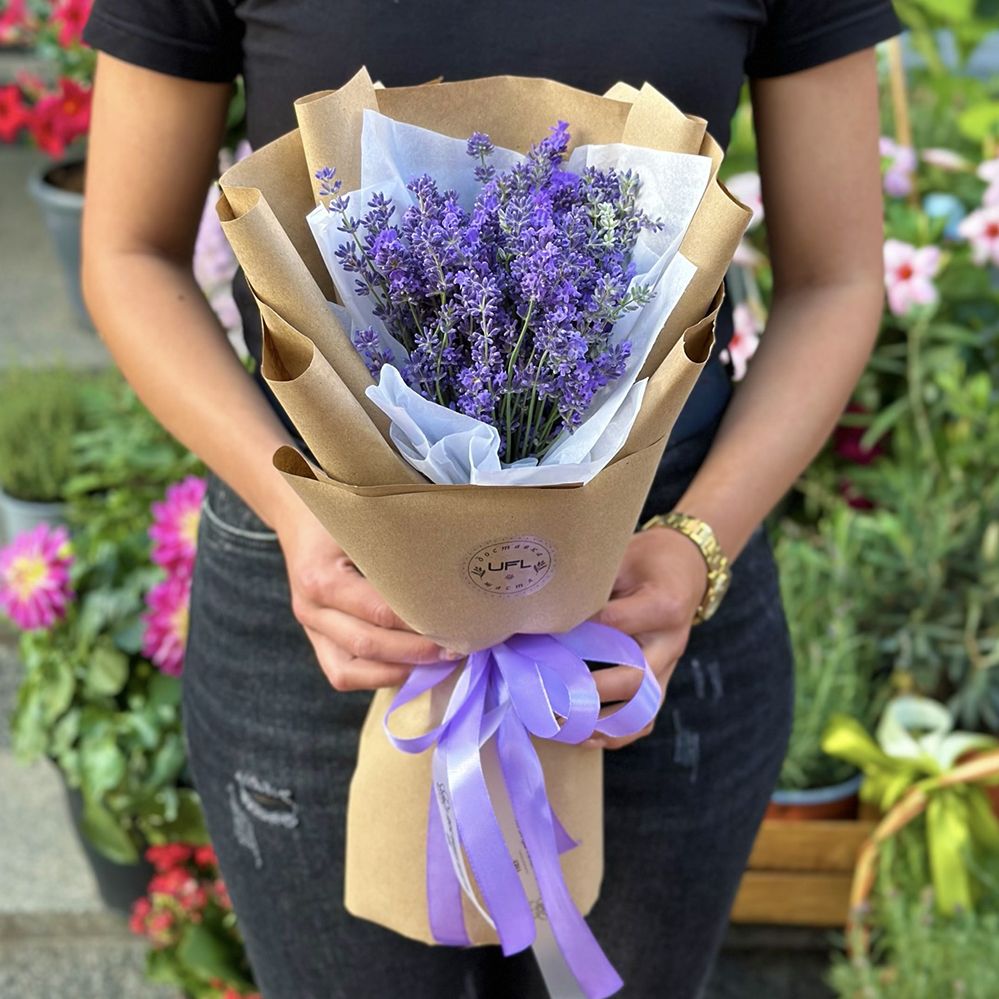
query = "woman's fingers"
x=648 y=608
x=362 y=640
x=354 y=595
x=346 y=673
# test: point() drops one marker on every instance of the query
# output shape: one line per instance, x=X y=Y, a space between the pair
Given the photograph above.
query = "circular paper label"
x=510 y=567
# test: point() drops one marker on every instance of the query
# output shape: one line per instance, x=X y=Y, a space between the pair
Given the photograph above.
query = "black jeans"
x=272 y=747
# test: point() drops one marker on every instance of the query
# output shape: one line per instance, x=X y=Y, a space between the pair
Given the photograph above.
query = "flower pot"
x=58 y=190
x=838 y=801
x=119 y=885
x=17 y=516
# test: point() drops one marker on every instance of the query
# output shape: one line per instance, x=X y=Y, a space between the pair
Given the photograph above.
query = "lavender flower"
x=506 y=310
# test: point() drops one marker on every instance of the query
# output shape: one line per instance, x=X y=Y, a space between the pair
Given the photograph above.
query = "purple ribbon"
x=528 y=685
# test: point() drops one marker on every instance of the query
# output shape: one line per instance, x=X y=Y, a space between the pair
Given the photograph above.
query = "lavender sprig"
x=506 y=310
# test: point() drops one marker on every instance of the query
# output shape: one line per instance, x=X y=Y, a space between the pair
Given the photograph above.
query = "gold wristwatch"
x=719 y=573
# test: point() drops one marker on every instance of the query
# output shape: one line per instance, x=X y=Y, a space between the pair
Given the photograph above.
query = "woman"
x=272 y=738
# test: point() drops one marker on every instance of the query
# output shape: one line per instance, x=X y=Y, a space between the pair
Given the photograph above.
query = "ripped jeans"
x=272 y=748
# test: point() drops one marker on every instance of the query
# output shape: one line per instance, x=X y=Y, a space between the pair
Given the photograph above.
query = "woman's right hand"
x=360 y=642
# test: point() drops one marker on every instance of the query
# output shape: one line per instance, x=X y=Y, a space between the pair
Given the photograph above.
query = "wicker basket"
x=912 y=804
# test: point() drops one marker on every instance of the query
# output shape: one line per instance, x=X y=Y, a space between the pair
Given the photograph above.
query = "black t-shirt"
x=696 y=52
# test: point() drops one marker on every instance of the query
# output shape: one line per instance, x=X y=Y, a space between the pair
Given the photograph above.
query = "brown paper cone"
x=465 y=565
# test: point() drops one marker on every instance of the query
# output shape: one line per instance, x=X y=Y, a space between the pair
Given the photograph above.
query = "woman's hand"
x=360 y=642
x=659 y=587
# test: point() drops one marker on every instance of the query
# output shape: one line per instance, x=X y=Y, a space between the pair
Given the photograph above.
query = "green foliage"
x=835 y=658
x=915 y=953
x=88 y=700
x=41 y=411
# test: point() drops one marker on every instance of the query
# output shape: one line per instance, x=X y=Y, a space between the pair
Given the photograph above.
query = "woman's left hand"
x=658 y=589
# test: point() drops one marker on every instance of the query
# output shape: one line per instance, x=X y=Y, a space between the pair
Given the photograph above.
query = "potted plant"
x=835 y=665
x=54 y=112
x=99 y=695
x=187 y=917
x=41 y=411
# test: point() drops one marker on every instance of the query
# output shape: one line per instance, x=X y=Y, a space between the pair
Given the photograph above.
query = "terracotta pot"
x=837 y=802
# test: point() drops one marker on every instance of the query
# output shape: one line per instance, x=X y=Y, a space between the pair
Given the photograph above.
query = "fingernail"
x=451 y=655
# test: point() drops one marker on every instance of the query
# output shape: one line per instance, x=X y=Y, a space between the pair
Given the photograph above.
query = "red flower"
x=847 y=441
x=221 y=894
x=140 y=911
x=168 y=856
x=173 y=882
x=71 y=16
x=45 y=125
x=74 y=108
x=159 y=926
x=204 y=856
x=13 y=113
x=854 y=499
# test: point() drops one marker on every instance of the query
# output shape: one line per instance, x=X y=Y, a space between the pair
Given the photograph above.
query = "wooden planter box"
x=799 y=873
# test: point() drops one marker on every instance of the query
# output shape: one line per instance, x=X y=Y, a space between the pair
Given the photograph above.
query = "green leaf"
x=979 y=121
x=57 y=686
x=102 y=765
x=211 y=956
x=28 y=729
x=177 y=816
x=65 y=732
x=164 y=690
x=128 y=638
x=167 y=761
x=107 y=835
x=106 y=671
x=162 y=967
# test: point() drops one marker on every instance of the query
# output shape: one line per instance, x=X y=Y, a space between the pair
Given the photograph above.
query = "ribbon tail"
x=447 y=921
x=571 y=960
x=478 y=830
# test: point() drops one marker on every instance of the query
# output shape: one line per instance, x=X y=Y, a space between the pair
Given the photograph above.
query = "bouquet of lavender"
x=532 y=317
x=505 y=319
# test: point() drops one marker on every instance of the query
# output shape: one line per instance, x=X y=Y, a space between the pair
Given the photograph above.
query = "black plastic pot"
x=119 y=885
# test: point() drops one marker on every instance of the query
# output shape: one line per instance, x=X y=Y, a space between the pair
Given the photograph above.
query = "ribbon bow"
x=916 y=747
x=528 y=685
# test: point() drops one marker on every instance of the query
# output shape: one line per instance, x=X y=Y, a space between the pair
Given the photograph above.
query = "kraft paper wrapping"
x=466 y=565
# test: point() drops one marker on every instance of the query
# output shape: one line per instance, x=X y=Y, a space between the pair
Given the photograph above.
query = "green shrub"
x=40 y=410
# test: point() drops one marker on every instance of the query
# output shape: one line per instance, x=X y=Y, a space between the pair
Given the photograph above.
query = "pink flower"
x=981 y=230
x=746 y=187
x=204 y=856
x=15 y=18
x=13 y=112
x=944 y=159
x=745 y=340
x=899 y=173
x=909 y=273
x=34 y=577
x=166 y=621
x=174 y=531
x=71 y=16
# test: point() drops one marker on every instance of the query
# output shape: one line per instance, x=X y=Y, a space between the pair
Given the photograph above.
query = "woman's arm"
x=152 y=154
x=817 y=133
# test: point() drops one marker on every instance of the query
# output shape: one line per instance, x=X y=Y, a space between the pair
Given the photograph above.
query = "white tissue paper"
x=448 y=447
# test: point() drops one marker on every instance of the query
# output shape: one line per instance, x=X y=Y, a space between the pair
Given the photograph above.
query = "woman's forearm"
x=191 y=380
x=816 y=344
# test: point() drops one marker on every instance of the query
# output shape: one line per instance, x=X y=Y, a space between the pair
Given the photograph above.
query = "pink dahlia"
x=166 y=623
x=174 y=531
x=34 y=577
